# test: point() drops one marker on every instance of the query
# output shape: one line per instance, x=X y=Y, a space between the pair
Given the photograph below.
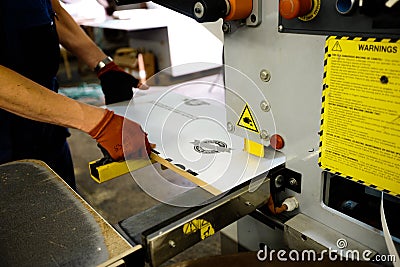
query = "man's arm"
x=74 y=39
x=116 y=84
x=28 y=99
x=23 y=97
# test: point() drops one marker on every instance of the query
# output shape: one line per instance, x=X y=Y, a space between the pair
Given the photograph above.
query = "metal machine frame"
x=288 y=69
x=295 y=63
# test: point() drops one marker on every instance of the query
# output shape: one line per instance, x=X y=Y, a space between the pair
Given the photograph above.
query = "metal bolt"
x=292 y=181
x=199 y=10
x=265 y=75
x=226 y=27
x=280 y=28
x=230 y=127
x=264 y=135
x=171 y=243
x=279 y=181
x=264 y=105
x=248 y=203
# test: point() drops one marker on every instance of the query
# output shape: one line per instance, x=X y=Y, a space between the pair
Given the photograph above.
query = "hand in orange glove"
x=108 y=133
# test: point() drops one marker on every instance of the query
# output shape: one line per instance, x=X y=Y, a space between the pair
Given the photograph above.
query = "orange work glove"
x=108 y=133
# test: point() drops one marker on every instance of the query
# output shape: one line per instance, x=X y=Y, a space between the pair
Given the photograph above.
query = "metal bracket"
x=255 y=17
x=285 y=178
x=175 y=234
x=304 y=233
x=253 y=20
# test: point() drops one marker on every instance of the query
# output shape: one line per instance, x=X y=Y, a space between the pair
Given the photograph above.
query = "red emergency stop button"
x=290 y=9
x=276 y=141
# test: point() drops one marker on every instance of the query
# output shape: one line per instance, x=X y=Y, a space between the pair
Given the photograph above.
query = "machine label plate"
x=360 y=116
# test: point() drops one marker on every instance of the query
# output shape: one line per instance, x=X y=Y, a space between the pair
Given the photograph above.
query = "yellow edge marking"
x=254 y=148
x=115 y=169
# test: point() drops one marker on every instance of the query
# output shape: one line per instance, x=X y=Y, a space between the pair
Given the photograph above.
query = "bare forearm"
x=74 y=39
x=28 y=99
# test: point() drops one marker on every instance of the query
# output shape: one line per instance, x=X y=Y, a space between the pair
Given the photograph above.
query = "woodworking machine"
x=306 y=144
x=318 y=82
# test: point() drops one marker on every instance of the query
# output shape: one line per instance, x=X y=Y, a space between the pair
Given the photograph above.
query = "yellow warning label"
x=247 y=121
x=201 y=225
x=336 y=47
x=360 y=123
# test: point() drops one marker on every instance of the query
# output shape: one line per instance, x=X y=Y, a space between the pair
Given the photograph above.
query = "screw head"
x=384 y=79
x=279 y=180
x=198 y=10
x=226 y=27
x=264 y=135
x=264 y=105
x=292 y=181
x=265 y=75
x=253 y=18
x=171 y=243
x=230 y=127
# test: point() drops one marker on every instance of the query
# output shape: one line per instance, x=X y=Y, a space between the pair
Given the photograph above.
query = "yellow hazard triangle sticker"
x=337 y=47
x=247 y=120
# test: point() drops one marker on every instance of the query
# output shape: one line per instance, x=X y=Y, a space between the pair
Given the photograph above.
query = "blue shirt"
x=28 y=13
x=29 y=38
x=29 y=45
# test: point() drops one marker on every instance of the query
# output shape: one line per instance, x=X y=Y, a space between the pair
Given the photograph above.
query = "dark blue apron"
x=29 y=45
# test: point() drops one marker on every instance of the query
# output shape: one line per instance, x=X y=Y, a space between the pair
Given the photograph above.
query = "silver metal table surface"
x=43 y=222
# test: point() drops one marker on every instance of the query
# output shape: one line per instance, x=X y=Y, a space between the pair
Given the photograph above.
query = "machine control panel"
x=363 y=18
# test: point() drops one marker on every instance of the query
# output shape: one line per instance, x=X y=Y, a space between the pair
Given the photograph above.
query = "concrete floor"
x=119 y=198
